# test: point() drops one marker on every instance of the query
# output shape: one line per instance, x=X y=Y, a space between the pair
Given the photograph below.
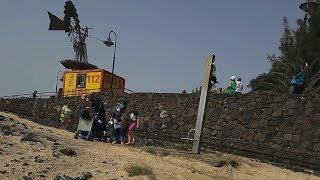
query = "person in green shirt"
x=232 y=85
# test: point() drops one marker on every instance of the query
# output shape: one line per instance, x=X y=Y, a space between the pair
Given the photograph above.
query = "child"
x=133 y=124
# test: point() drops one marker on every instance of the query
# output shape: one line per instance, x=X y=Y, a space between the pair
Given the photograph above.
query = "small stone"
x=104 y=162
x=220 y=163
x=62 y=178
x=25 y=164
x=3 y=172
x=26 y=178
x=86 y=175
x=68 y=152
x=164 y=114
x=113 y=178
x=193 y=171
x=234 y=164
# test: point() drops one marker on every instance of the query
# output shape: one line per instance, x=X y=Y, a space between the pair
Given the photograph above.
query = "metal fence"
x=55 y=94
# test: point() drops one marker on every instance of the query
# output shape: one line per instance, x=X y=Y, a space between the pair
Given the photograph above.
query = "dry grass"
x=140 y=170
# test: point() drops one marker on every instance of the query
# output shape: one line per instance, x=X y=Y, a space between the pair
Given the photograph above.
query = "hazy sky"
x=162 y=45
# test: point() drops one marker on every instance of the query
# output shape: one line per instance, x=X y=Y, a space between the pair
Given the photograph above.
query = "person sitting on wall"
x=239 y=86
x=232 y=85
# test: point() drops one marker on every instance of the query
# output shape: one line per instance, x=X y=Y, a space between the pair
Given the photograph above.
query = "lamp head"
x=108 y=42
x=309 y=7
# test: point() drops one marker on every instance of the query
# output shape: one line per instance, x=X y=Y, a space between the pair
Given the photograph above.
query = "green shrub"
x=140 y=170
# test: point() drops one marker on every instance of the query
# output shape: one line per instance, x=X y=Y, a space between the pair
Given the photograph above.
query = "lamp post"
x=57 y=81
x=109 y=43
x=309 y=7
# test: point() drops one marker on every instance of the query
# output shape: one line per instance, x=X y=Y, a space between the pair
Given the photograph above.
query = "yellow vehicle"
x=80 y=82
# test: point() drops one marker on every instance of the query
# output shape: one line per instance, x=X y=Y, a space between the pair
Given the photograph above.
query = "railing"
x=54 y=94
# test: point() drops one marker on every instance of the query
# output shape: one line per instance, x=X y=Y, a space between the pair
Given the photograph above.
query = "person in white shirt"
x=239 y=86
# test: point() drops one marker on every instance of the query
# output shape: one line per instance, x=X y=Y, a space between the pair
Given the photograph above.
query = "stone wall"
x=272 y=127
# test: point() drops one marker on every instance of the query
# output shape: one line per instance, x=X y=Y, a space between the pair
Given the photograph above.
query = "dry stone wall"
x=272 y=127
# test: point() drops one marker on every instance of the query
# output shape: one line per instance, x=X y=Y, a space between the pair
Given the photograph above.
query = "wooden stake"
x=208 y=71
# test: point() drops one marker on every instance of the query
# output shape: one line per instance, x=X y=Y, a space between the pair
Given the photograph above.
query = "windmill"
x=71 y=25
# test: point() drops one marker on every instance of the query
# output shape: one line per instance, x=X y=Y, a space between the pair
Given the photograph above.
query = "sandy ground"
x=43 y=159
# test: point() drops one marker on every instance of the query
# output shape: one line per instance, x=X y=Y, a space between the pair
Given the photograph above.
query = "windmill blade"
x=56 y=23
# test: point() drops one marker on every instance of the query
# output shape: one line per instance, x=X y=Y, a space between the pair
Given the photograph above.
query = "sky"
x=162 y=45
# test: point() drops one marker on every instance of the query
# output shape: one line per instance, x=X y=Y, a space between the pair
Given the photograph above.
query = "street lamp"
x=57 y=81
x=109 y=43
x=309 y=7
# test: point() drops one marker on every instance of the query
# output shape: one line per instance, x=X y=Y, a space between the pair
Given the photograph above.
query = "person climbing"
x=239 y=86
x=232 y=85
x=300 y=78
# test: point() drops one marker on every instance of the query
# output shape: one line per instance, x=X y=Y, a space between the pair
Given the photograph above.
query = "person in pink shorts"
x=133 y=124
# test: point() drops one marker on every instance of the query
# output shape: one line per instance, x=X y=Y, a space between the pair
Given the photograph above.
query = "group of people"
x=122 y=123
x=123 y=127
x=235 y=86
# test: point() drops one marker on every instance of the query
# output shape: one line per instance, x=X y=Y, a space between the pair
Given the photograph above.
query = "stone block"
x=249 y=135
x=214 y=132
x=216 y=127
x=307 y=145
x=236 y=134
x=254 y=123
x=277 y=113
x=226 y=132
x=260 y=137
x=309 y=104
x=289 y=130
x=290 y=103
x=276 y=146
x=287 y=137
x=308 y=111
x=316 y=147
x=315 y=117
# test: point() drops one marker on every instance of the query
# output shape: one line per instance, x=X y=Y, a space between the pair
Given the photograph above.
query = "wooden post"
x=208 y=70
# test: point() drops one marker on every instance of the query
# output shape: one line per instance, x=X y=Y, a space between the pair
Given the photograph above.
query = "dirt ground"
x=38 y=156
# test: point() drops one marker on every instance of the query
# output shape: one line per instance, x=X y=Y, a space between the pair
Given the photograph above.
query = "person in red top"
x=133 y=124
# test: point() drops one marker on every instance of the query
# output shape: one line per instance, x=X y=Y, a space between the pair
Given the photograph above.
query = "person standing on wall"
x=300 y=78
x=239 y=86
